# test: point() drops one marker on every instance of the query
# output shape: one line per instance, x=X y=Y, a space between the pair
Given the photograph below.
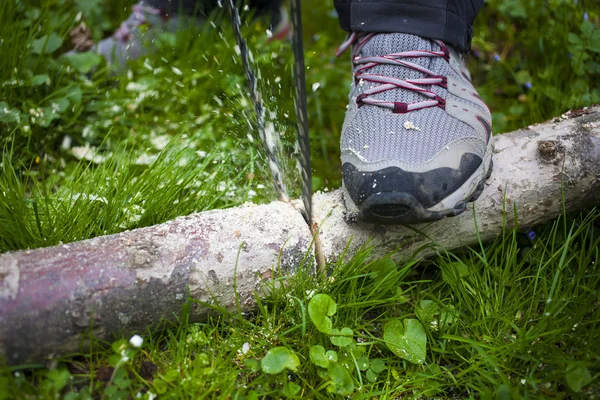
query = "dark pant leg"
x=448 y=20
x=204 y=7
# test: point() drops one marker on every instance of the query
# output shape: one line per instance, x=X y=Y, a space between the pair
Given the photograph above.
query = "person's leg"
x=448 y=20
x=416 y=141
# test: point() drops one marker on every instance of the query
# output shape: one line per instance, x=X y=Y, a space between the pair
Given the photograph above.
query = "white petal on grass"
x=90 y=197
x=201 y=119
x=176 y=71
x=87 y=153
x=160 y=142
x=316 y=86
x=87 y=132
x=136 y=341
x=135 y=87
x=66 y=143
x=146 y=159
x=245 y=348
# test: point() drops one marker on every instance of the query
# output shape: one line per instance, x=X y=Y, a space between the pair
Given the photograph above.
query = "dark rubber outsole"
x=405 y=209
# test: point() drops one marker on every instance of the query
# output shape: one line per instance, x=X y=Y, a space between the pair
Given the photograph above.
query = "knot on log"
x=142 y=254
x=550 y=151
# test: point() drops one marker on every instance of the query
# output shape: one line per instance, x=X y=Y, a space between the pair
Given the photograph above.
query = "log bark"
x=130 y=281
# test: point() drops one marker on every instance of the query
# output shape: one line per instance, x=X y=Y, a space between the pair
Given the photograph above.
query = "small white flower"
x=177 y=71
x=136 y=341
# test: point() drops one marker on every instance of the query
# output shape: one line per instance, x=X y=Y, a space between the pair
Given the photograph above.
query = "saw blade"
x=301 y=109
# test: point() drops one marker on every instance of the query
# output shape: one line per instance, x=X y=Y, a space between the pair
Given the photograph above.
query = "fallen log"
x=130 y=281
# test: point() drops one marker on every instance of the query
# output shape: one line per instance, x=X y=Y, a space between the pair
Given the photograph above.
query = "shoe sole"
x=402 y=208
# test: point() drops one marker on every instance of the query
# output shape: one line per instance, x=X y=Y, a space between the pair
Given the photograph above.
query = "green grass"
x=169 y=136
x=514 y=319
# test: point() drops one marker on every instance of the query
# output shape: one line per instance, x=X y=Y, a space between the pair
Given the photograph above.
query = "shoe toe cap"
x=392 y=183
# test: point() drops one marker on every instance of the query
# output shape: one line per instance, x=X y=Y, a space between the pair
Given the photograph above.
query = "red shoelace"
x=385 y=83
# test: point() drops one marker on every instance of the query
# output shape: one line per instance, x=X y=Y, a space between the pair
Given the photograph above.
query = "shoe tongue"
x=391 y=43
x=388 y=43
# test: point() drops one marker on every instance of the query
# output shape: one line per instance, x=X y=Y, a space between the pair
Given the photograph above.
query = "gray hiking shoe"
x=136 y=34
x=417 y=139
x=131 y=39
